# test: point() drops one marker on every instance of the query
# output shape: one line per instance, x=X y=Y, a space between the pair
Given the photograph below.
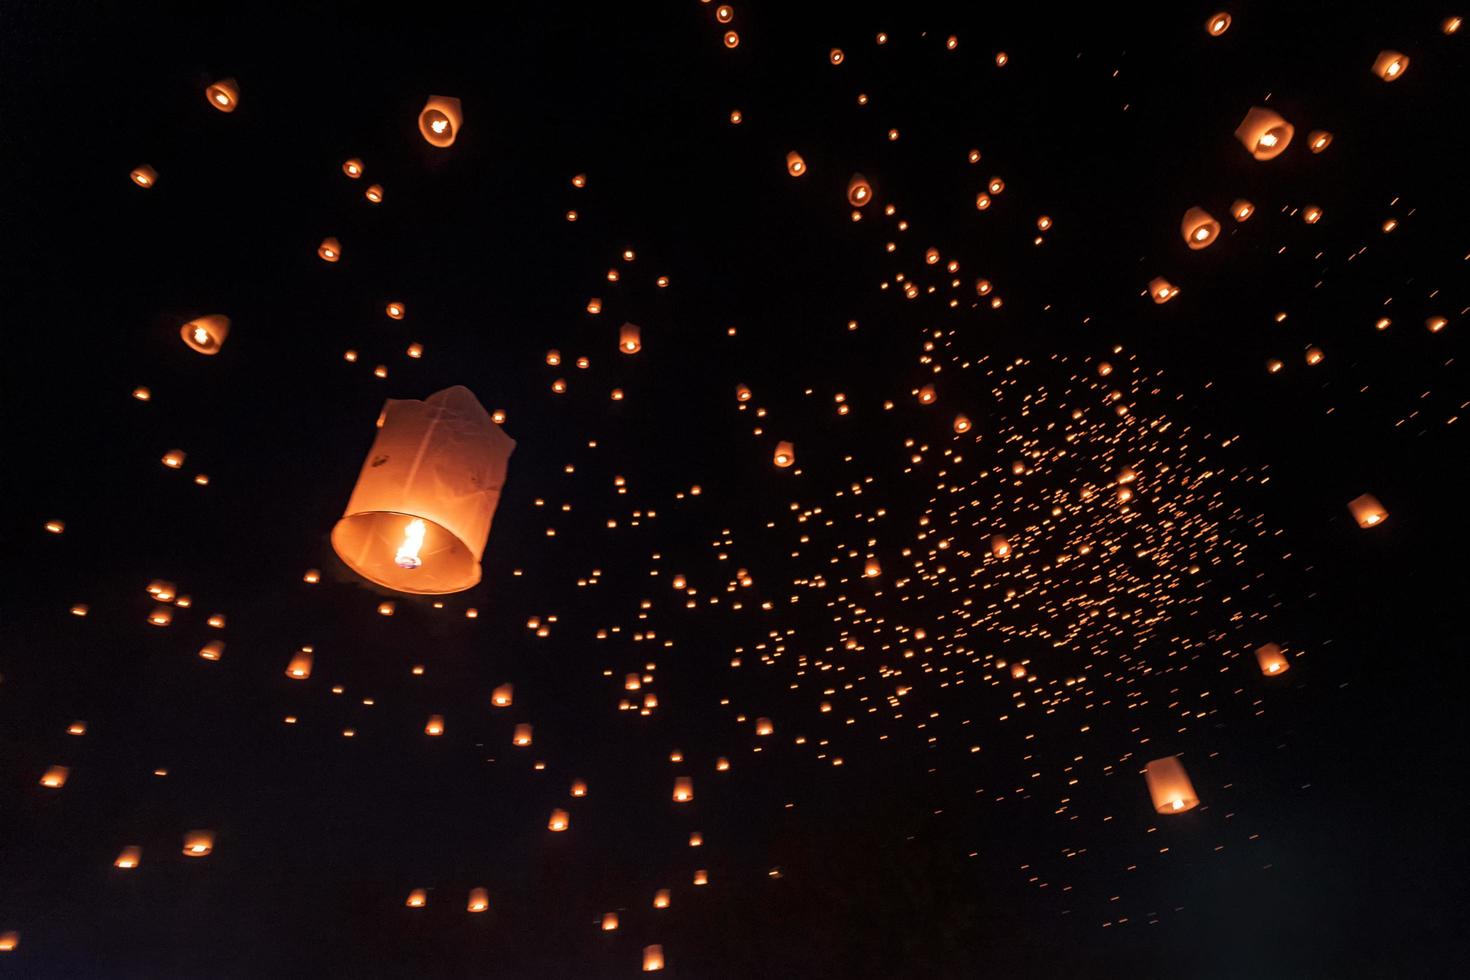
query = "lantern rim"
x=372 y=536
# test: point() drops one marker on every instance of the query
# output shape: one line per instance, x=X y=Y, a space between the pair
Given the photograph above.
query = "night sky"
x=968 y=636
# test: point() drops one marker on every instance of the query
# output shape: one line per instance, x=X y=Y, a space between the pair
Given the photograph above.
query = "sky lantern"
x=1318 y=140
x=630 y=338
x=559 y=821
x=764 y=727
x=1435 y=324
x=701 y=877
x=214 y=650
x=795 y=165
x=1199 y=228
x=9 y=941
x=1169 y=785
x=579 y=787
x=417 y=899
x=55 y=777
x=395 y=310
x=1314 y=355
x=871 y=569
x=1272 y=659
x=1450 y=25
x=927 y=394
x=439 y=120
x=198 y=843
x=609 y=922
x=330 y=250
x=435 y=725
x=420 y=514
x=353 y=168
x=1242 y=209
x=835 y=56
x=129 y=857
x=653 y=958
x=224 y=94
x=1263 y=133
x=1000 y=546
x=522 y=735
x=962 y=423
x=161 y=616
x=742 y=393
x=1162 y=290
x=859 y=191
x=479 y=900
x=144 y=176
x=661 y=898
x=683 y=789
x=374 y=193
x=503 y=696
x=1367 y=511
x=299 y=669
x=1390 y=65
x=784 y=455
x=1217 y=24
x=1311 y=214
x=206 y=334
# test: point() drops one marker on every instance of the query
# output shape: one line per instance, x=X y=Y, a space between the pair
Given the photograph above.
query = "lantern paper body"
x=610 y=922
x=144 y=176
x=1162 y=290
x=440 y=119
x=198 y=843
x=630 y=338
x=559 y=821
x=1264 y=134
x=653 y=959
x=224 y=94
x=503 y=696
x=206 y=334
x=859 y=191
x=1169 y=785
x=1272 y=660
x=130 y=857
x=1389 y=65
x=1367 y=511
x=795 y=165
x=785 y=454
x=1000 y=547
x=1199 y=228
x=441 y=462
x=683 y=789
x=479 y=900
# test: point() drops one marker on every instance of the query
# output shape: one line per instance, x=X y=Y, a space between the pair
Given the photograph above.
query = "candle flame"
x=413 y=540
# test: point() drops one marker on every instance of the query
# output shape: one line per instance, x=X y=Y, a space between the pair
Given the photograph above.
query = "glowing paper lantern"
x=1199 y=228
x=1242 y=209
x=1318 y=140
x=962 y=424
x=1390 y=65
x=144 y=176
x=661 y=898
x=330 y=250
x=440 y=119
x=503 y=695
x=579 y=788
x=299 y=669
x=1218 y=24
x=1169 y=785
x=1367 y=511
x=522 y=736
x=859 y=191
x=374 y=193
x=420 y=514
x=9 y=941
x=630 y=338
x=683 y=789
x=785 y=454
x=435 y=725
x=198 y=843
x=206 y=334
x=417 y=899
x=559 y=821
x=1000 y=547
x=1263 y=133
x=479 y=900
x=1162 y=290
x=610 y=922
x=129 y=857
x=224 y=94
x=795 y=165
x=763 y=727
x=353 y=168
x=1272 y=659
x=55 y=777
x=653 y=958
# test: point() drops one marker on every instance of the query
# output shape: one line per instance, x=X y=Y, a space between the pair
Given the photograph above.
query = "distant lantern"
x=732 y=39
x=579 y=787
x=435 y=725
x=374 y=193
x=1367 y=511
x=503 y=696
x=609 y=922
x=1314 y=355
x=1389 y=65
x=927 y=394
x=1018 y=671
x=1312 y=214
x=224 y=94
x=661 y=898
x=961 y=424
x=144 y=176
x=1450 y=25
x=440 y=119
x=785 y=454
x=174 y=458
x=395 y=310
x=630 y=338
x=1218 y=24
x=701 y=877
x=653 y=958
x=764 y=727
x=742 y=393
x=9 y=940
x=1318 y=140
x=198 y=843
x=1242 y=209
x=522 y=736
x=206 y=334
x=1104 y=369
x=871 y=569
x=1000 y=546
x=420 y=514
x=1263 y=133
x=795 y=165
x=559 y=821
x=299 y=668
x=479 y=900
x=55 y=777
x=129 y=857
x=1169 y=785
x=1274 y=365
x=1272 y=659
x=330 y=250
x=683 y=789
x=1199 y=228
x=213 y=650
x=835 y=56
x=859 y=191
x=353 y=168
x=417 y=899
x=1162 y=290
x=161 y=616
x=1435 y=324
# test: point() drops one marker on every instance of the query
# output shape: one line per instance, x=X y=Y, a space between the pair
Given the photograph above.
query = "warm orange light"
x=224 y=94
x=559 y=821
x=630 y=338
x=835 y=56
x=144 y=176
x=784 y=455
x=683 y=789
x=1199 y=228
x=440 y=120
x=1162 y=290
x=1263 y=133
x=1390 y=65
x=1218 y=24
x=206 y=334
x=330 y=250
x=661 y=898
x=1318 y=140
x=522 y=736
x=1000 y=546
x=1242 y=209
x=1272 y=660
x=503 y=696
x=1169 y=785
x=795 y=165
x=609 y=922
x=1314 y=355
x=198 y=843
x=55 y=777
x=1367 y=511
x=417 y=899
x=353 y=168
x=653 y=958
x=479 y=900
x=299 y=667
x=374 y=193
x=435 y=725
x=961 y=424
x=129 y=857
x=859 y=191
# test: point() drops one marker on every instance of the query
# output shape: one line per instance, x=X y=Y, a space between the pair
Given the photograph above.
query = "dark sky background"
x=1335 y=790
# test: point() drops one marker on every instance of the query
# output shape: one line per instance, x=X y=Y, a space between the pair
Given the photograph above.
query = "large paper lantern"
x=440 y=119
x=683 y=789
x=1389 y=65
x=1199 y=228
x=1272 y=659
x=1169 y=785
x=630 y=338
x=1264 y=133
x=1367 y=511
x=420 y=514
x=206 y=334
x=198 y=843
x=653 y=958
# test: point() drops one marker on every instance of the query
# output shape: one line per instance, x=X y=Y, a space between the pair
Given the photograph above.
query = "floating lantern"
x=353 y=168
x=1450 y=25
x=299 y=669
x=161 y=616
x=503 y=695
x=1000 y=547
x=386 y=608
x=374 y=193
x=1199 y=228
x=701 y=877
x=722 y=764
x=559 y=821
x=732 y=39
x=1162 y=290
x=144 y=176
x=764 y=727
x=961 y=424
x=439 y=120
x=1274 y=365
x=224 y=94
x=1312 y=214
x=1218 y=24
x=522 y=736
x=129 y=857
x=1272 y=659
x=330 y=250
x=395 y=310
x=420 y=513
x=872 y=569
x=1318 y=140
x=479 y=900
x=859 y=191
x=212 y=650
x=1263 y=133
x=1367 y=511
x=661 y=898
x=1435 y=324
x=1390 y=65
x=9 y=940
x=927 y=394
x=579 y=788
x=653 y=958
x=609 y=922
x=1169 y=785
x=198 y=843
x=77 y=728
x=742 y=393
x=630 y=338
x=795 y=165
x=683 y=789
x=417 y=899
x=1314 y=356
x=835 y=56
x=696 y=839
x=55 y=777
x=785 y=454
x=206 y=334
x=435 y=725
x=1242 y=209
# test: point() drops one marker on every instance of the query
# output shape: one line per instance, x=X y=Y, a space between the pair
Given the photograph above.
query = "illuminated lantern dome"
x=653 y=959
x=479 y=900
x=420 y=514
x=206 y=334
x=630 y=339
x=1199 y=228
x=1242 y=209
x=1000 y=547
x=609 y=922
x=330 y=250
x=559 y=821
x=1169 y=785
x=1263 y=133
x=353 y=168
x=1162 y=290
x=1389 y=65
x=1218 y=24
x=503 y=695
x=224 y=94
x=1272 y=660
x=683 y=789
x=961 y=423
x=1367 y=511
x=785 y=454
x=198 y=843
x=795 y=165
x=144 y=176
x=859 y=191
x=440 y=119
x=1318 y=140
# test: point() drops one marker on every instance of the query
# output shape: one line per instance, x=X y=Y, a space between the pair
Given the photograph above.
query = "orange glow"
x=224 y=95
x=1218 y=24
x=1367 y=511
x=1272 y=660
x=198 y=843
x=1264 y=134
x=1169 y=786
x=330 y=250
x=440 y=120
x=1391 y=65
x=144 y=176
x=795 y=165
